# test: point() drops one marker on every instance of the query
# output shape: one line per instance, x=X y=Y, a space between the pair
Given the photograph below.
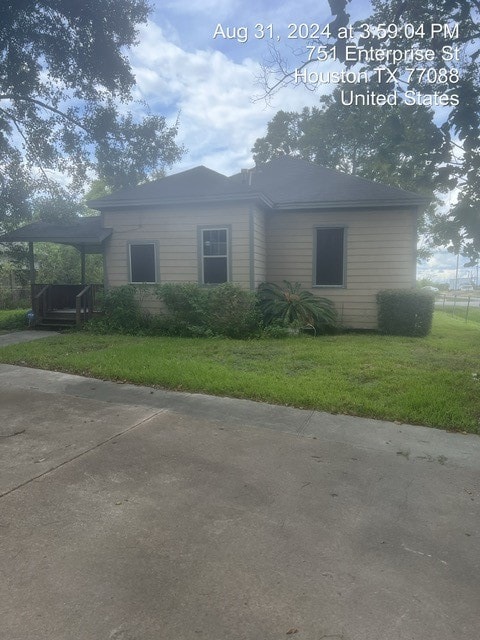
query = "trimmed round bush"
x=405 y=312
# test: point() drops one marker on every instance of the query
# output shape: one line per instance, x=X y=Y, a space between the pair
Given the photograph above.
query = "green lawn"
x=432 y=381
x=461 y=312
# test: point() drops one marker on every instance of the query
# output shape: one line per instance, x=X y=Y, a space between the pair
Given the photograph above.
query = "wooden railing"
x=72 y=298
x=84 y=305
x=40 y=302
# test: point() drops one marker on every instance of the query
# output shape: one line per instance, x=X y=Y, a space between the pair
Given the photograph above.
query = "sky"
x=210 y=85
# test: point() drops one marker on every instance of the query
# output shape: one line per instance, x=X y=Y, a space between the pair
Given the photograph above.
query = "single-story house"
x=340 y=236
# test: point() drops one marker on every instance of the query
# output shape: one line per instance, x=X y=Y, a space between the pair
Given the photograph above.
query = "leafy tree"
x=60 y=264
x=460 y=227
x=396 y=145
x=98 y=189
x=65 y=85
x=61 y=207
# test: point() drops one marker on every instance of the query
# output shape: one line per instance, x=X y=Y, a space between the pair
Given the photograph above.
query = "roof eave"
x=156 y=202
x=349 y=204
x=71 y=240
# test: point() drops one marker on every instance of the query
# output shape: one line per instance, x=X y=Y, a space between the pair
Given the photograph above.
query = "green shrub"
x=186 y=305
x=192 y=310
x=232 y=311
x=291 y=306
x=16 y=299
x=121 y=313
x=13 y=319
x=405 y=312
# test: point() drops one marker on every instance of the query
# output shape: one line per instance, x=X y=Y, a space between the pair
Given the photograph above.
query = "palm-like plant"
x=292 y=306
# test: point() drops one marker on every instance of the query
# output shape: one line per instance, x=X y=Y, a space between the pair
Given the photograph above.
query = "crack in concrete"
x=303 y=427
x=11 y=435
x=96 y=446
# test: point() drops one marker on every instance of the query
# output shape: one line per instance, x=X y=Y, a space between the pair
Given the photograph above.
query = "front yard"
x=432 y=381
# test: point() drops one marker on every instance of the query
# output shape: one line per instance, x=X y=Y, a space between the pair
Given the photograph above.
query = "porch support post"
x=31 y=261
x=82 y=261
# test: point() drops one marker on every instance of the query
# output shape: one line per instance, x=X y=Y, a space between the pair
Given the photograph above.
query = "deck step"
x=62 y=319
x=51 y=327
x=54 y=324
x=57 y=320
x=59 y=315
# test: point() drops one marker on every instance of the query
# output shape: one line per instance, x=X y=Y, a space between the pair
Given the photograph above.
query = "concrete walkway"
x=131 y=513
x=24 y=336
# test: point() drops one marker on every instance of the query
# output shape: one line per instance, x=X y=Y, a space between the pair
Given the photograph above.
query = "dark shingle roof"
x=292 y=183
x=283 y=183
x=191 y=185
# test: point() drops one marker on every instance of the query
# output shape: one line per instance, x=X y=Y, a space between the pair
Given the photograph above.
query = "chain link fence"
x=460 y=305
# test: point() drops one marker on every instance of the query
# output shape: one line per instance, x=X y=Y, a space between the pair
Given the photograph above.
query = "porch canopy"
x=85 y=234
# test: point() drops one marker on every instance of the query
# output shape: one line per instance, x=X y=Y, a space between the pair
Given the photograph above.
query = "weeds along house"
x=339 y=236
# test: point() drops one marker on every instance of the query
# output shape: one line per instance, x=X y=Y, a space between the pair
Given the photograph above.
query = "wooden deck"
x=64 y=306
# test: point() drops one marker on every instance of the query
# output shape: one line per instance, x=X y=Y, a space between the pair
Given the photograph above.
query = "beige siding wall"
x=380 y=250
x=380 y=254
x=259 y=244
x=175 y=233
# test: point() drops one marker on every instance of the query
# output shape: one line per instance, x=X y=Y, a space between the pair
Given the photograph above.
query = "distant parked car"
x=432 y=289
x=466 y=287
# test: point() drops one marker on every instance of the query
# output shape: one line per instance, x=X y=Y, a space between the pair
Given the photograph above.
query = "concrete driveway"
x=137 y=514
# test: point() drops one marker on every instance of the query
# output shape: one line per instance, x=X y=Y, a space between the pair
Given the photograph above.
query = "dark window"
x=329 y=257
x=214 y=256
x=142 y=263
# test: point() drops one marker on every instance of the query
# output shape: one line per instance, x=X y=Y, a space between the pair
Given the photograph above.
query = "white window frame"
x=203 y=257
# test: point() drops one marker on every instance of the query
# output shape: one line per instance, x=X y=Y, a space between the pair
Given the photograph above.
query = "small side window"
x=329 y=267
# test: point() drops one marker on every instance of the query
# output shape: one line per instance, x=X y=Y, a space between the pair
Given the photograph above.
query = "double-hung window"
x=329 y=264
x=214 y=256
x=142 y=262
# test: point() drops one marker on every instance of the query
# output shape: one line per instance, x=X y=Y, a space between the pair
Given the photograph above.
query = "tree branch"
x=285 y=79
x=21 y=134
x=44 y=105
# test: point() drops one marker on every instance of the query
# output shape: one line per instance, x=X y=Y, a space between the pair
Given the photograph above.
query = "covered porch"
x=63 y=305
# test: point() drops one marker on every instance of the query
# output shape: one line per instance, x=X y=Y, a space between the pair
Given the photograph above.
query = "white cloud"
x=180 y=68
x=205 y=7
x=219 y=122
x=441 y=267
